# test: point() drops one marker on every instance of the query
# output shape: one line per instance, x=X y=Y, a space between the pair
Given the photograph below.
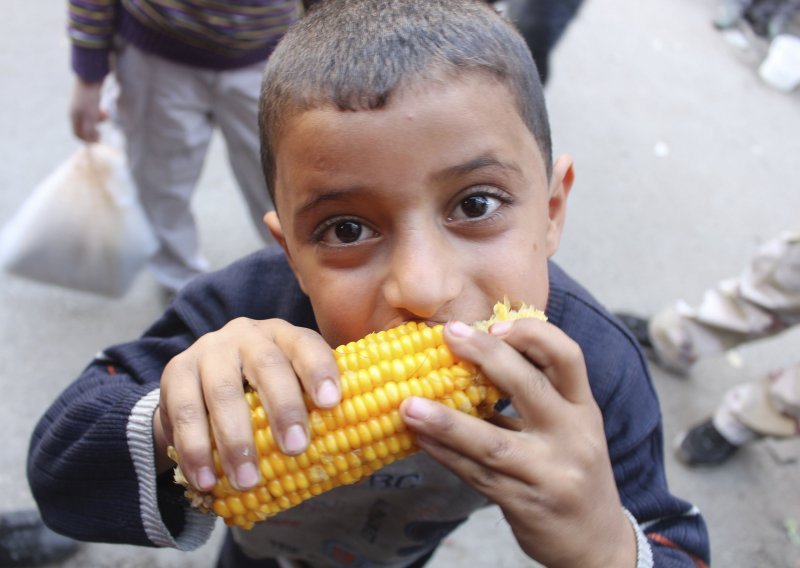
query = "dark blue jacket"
x=83 y=469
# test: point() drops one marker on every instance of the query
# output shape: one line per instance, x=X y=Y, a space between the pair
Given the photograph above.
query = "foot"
x=704 y=445
x=166 y=295
x=26 y=541
x=656 y=337
x=729 y=13
x=638 y=328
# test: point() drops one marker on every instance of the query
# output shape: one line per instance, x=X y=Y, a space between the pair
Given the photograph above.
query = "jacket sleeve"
x=91 y=463
x=91 y=28
x=673 y=529
x=670 y=532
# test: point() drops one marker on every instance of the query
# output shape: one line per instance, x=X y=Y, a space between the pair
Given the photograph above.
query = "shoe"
x=166 y=295
x=662 y=339
x=26 y=541
x=638 y=328
x=729 y=13
x=785 y=20
x=703 y=445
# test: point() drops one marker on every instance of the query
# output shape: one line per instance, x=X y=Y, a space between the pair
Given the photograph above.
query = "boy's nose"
x=423 y=276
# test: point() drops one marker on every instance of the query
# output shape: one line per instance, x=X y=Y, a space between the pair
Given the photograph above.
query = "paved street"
x=685 y=163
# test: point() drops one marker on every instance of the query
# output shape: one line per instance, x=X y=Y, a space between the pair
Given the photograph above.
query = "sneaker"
x=703 y=445
x=638 y=328
x=166 y=295
x=656 y=337
x=785 y=20
x=26 y=541
x=672 y=339
x=729 y=13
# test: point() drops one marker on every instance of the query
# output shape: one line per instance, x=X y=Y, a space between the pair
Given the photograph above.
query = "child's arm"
x=92 y=459
x=549 y=471
x=90 y=462
x=98 y=465
x=205 y=384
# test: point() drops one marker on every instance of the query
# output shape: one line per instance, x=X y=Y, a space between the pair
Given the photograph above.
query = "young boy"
x=409 y=151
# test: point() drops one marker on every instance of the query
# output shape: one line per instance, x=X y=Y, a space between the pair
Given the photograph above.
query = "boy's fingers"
x=184 y=421
x=533 y=396
x=535 y=364
x=468 y=439
x=272 y=375
x=552 y=351
x=206 y=384
x=273 y=366
x=229 y=414
x=313 y=361
x=230 y=421
x=507 y=422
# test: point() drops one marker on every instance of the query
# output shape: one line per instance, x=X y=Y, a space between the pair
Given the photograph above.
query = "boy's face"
x=430 y=209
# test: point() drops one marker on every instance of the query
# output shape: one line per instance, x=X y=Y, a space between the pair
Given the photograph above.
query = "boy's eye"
x=475 y=206
x=348 y=231
x=344 y=231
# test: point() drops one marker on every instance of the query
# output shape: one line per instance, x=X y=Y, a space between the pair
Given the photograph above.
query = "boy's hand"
x=84 y=110
x=205 y=384
x=549 y=470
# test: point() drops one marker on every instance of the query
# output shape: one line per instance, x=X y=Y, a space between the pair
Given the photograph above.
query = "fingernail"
x=206 y=478
x=327 y=393
x=246 y=475
x=419 y=408
x=460 y=329
x=500 y=328
x=295 y=440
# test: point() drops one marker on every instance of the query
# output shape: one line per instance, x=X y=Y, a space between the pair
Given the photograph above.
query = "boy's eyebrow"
x=333 y=195
x=478 y=163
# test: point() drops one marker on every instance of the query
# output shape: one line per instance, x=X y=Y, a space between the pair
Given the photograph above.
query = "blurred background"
x=686 y=161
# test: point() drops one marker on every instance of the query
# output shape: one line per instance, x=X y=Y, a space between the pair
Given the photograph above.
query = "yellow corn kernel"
x=365 y=431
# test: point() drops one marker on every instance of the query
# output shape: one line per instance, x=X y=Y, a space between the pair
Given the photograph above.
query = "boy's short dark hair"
x=355 y=54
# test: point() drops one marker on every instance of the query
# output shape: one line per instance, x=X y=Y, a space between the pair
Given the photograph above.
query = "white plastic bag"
x=82 y=227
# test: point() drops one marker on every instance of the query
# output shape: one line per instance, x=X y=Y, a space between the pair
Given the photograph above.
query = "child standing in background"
x=183 y=68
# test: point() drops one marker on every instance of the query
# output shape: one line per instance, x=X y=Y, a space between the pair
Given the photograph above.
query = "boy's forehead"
x=430 y=100
x=409 y=91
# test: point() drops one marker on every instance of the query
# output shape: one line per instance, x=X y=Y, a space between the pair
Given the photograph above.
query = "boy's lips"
x=429 y=323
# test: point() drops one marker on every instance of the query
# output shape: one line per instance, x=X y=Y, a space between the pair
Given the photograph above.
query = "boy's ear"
x=274 y=226
x=560 y=186
x=273 y=223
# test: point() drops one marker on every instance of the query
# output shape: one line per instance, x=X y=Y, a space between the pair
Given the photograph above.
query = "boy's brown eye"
x=348 y=231
x=475 y=205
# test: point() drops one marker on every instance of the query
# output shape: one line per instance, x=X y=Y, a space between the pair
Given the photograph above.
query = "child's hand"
x=205 y=384
x=85 y=112
x=549 y=470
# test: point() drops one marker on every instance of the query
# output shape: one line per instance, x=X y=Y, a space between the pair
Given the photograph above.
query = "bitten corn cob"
x=365 y=431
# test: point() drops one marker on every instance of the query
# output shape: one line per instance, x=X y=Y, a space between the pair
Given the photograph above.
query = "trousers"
x=760 y=302
x=168 y=113
x=542 y=23
x=769 y=406
x=231 y=556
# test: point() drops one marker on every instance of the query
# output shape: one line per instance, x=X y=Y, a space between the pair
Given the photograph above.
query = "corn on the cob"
x=365 y=431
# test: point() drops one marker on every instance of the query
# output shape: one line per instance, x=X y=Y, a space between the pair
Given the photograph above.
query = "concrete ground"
x=686 y=161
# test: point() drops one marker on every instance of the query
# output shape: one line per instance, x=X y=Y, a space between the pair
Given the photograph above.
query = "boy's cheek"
x=339 y=323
